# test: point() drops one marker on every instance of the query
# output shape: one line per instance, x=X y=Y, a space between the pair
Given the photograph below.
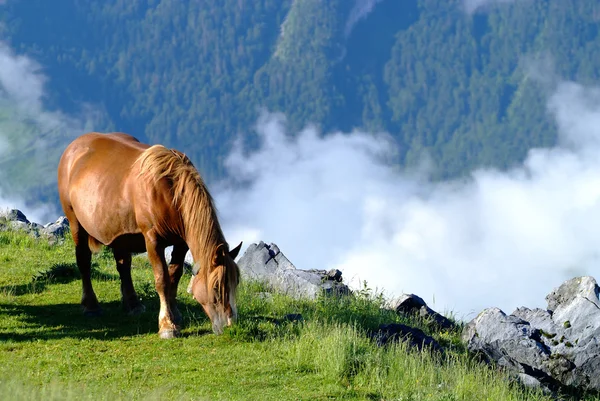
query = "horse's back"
x=94 y=153
x=94 y=177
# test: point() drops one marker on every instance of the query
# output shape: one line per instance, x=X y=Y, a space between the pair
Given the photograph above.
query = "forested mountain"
x=194 y=73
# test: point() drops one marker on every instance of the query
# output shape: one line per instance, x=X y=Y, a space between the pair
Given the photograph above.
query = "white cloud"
x=472 y=6
x=29 y=129
x=360 y=10
x=498 y=239
x=21 y=80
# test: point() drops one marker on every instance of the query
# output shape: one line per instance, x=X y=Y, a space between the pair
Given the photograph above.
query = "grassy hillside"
x=50 y=351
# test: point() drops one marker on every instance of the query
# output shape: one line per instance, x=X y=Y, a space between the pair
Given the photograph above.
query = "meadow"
x=50 y=351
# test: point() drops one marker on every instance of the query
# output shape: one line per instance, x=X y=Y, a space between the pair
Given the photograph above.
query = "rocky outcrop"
x=413 y=305
x=266 y=263
x=558 y=347
x=57 y=229
x=16 y=220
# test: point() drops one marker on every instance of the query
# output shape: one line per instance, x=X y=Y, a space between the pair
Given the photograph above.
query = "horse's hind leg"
x=83 y=254
x=175 y=272
x=130 y=300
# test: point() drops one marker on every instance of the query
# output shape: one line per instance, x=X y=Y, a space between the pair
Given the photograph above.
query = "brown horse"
x=134 y=197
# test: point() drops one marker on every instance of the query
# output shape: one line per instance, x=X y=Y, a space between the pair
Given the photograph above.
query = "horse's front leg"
x=156 y=255
x=175 y=272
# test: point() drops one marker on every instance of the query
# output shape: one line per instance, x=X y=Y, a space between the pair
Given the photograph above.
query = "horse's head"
x=215 y=290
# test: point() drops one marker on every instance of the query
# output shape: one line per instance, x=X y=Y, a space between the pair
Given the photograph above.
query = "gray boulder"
x=15 y=215
x=411 y=304
x=57 y=229
x=558 y=347
x=266 y=263
x=14 y=219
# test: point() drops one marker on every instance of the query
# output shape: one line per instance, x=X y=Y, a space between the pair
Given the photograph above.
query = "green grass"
x=50 y=351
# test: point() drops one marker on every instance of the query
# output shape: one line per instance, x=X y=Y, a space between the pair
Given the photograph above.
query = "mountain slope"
x=194 y=75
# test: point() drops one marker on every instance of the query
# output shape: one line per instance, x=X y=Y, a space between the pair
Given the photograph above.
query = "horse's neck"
x=202 y=248
x=202 y=229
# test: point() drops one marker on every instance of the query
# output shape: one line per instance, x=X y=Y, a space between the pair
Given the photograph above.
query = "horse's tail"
x=94 y=245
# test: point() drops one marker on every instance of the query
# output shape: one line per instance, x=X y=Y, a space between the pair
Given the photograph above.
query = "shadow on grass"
x=47 y=322
x=22 y=289
x=58 y=273
x=66 y=320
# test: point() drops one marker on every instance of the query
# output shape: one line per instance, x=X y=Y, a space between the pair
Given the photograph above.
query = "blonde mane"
x=201 y=229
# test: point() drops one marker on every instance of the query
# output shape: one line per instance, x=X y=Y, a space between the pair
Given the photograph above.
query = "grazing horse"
x=133 y=197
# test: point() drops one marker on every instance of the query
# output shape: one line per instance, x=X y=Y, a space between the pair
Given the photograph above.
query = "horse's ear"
x=234 y=252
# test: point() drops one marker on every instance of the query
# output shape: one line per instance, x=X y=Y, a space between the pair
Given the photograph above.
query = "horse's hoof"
x=137 y=310
x=168 y=334
x=92 y=312
x=217 y=330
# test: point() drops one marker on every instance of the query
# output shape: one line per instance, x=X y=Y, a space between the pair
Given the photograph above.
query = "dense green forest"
x=194 y=74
